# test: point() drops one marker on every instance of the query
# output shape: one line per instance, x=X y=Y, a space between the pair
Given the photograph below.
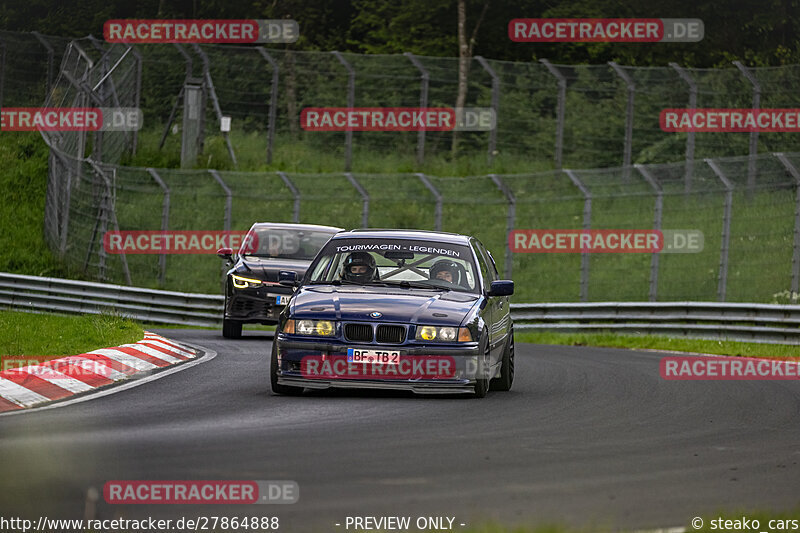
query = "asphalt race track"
x=588 y=436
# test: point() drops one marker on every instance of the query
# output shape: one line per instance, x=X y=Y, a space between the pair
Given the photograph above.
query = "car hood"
x=267 y=269
x=413 y=306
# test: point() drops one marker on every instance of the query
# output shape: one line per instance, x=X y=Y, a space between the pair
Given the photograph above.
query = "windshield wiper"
x=416 y=285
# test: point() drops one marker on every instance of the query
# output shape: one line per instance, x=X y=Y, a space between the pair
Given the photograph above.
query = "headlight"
x=245 y=283
x=320 y=328
x=443 y=334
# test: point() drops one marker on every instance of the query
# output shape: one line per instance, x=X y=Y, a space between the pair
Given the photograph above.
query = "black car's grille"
x=358 y=332
x=391 y=334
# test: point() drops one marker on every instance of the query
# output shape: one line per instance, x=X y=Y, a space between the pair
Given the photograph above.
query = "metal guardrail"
x=768 y=323
x=33 y=293
x=724 y=321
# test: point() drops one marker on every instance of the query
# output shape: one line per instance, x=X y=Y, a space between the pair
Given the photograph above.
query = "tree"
x=464 y=56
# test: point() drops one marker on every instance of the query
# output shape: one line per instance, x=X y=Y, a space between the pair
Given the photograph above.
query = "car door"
x=488 y=311
x=498 y=308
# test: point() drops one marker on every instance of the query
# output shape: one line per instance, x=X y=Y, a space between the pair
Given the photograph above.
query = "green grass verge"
x=59 y=335
x=651 y=342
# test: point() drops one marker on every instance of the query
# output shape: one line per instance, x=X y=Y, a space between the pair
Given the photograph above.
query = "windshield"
x=406 y=263
x=284 y=243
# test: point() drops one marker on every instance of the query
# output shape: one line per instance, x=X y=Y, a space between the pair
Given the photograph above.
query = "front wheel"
x=273 y=376
x=231 y=329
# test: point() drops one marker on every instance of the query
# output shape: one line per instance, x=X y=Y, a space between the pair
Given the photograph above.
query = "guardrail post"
x=726 y=230
x=510 y=220
x=295 y=194
x=162 y=259
x=751 y=166
x=364 y=199
x=351 y=98
x=561 y=110
x=273 y=101
x=796 y=241
x=587 y=225
x=495 y=107
x=657 y=216
x=214 y=100
x=690 y=136
x=626 y=157
x=436 y=194
x=423 y=102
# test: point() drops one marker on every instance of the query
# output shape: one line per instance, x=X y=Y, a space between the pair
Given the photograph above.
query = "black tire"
x=482 y=385
x=231 y=329
x=506 y=379
x=273 y=376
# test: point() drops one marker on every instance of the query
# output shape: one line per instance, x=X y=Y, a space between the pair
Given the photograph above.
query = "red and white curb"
x=61 y=378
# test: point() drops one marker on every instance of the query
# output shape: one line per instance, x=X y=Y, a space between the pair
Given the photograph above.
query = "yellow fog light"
x=324 y=328
x=427 y=333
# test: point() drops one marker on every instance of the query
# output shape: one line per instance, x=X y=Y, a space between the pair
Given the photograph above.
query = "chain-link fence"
x=573 y=116
x=747 y=207
x=751 y=233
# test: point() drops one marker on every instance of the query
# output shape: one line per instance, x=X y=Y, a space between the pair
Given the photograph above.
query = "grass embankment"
x=652 y=342
x=60 y=335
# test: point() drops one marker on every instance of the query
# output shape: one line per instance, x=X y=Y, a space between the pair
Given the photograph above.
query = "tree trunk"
x=463 y=65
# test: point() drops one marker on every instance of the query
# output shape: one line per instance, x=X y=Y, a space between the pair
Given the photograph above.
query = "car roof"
x=416 y=234
x=298 y=227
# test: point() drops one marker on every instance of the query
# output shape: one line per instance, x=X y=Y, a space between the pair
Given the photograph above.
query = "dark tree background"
x=763 y=32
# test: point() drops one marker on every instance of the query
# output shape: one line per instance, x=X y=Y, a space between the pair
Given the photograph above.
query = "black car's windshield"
x=283 y=243
x=402 y=263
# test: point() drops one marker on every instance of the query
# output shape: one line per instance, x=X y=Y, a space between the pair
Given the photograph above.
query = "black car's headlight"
x=443 y=334
x=240 y=282
x=319 y=328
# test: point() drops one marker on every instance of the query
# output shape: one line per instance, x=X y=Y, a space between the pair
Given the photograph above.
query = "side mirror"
x=502 y=287
x=287 y=278
x=225 y=253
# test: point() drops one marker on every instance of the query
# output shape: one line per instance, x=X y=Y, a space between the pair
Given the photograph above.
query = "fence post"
x=351 y=98
x=138 y=93
x=62 y=248
x=510 y=220
x=214 y=99
x=188 y=69
x=796 y=241
x=423 y=102
x=657 y=217
x=50 y=53
x=436 y=194
x=107 y=203
x=295 y=194
x=627 y=154
x=690 y=136
x=561 y=110
x=228 y=208
x=495 y=107
x=364 y=199
x=726 y=230
x=273 y=101
x=751 y=166
x=2 y=69
x=162 y=259
x=587 y=224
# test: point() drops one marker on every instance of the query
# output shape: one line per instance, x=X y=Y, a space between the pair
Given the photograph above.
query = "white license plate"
x=383 y=357
x=282 y=299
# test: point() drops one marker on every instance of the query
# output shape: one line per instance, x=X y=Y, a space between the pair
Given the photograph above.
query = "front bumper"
x=254 y=305
x=422 y=368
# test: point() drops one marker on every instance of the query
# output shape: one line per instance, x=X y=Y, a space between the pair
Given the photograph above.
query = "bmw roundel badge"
x=375 y=314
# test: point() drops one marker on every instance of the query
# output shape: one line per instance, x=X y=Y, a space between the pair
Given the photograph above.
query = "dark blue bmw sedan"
x=397 y=309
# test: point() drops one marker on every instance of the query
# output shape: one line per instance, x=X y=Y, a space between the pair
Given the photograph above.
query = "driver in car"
x=444 y=270
x=360 y=267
